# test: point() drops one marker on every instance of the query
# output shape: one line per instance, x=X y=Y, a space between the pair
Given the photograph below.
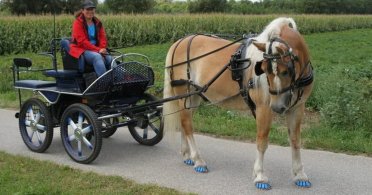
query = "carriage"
x=86 y=108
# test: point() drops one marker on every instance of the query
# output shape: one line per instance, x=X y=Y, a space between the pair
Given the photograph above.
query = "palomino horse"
x=279 y=79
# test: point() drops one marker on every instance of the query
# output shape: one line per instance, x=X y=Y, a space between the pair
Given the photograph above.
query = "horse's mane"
x=273 y=29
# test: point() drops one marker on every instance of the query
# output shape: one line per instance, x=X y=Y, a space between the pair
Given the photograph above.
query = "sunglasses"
x=90 y=9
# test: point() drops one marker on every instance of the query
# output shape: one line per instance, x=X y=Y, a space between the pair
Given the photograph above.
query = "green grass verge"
x=20 y=175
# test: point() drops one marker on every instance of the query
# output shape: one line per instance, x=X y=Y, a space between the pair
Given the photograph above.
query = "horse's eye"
x=284 y=74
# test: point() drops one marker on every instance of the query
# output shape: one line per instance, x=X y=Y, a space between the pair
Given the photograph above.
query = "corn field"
x=33 y=33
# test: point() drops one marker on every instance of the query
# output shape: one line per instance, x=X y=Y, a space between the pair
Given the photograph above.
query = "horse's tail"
x=172 y=120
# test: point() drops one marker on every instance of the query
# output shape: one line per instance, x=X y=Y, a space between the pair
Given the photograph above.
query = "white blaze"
x=277 y=83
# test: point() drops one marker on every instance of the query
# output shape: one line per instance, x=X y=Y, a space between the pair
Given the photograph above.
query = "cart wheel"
x=107 y=130
x=81 y=133
x=149 y=127
x=35 y=125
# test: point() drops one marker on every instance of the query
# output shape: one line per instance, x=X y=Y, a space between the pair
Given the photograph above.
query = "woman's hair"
x=78 y=13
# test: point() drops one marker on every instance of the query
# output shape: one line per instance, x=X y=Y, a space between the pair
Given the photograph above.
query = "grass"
x=332 y=54
x=20 y=175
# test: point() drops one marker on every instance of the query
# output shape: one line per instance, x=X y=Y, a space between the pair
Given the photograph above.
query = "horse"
x=279 y=80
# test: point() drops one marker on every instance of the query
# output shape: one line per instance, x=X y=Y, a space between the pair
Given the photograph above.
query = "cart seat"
x=34 y=84
x=62 y=73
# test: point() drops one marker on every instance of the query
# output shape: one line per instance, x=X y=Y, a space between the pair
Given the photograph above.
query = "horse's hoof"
x=303 y=184
x=263 y=186
x=201 y=169
x=189 y=162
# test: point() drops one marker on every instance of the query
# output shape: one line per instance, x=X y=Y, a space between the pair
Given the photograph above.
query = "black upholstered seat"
x=34 y=84
x=62 y=73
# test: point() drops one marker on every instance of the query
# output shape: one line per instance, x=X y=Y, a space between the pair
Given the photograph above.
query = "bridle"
x=298 y=84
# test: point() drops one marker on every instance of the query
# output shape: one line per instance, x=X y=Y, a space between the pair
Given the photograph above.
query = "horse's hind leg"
x=189 y=150
x=263 y=121
x=294 y=122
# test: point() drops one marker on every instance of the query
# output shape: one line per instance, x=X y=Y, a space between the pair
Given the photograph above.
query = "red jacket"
x=80 y=38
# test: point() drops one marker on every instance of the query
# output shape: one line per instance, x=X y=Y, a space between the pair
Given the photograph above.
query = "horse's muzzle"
x=281 y=103
x=279 y=109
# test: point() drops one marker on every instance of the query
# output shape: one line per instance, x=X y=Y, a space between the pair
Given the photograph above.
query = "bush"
x=344 y=97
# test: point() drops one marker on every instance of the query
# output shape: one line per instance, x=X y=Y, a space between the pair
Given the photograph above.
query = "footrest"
x=34 y=84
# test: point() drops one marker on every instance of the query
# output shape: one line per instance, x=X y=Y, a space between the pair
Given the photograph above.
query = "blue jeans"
x=101 y=63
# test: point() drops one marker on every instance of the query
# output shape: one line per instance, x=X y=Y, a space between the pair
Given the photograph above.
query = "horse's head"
x=280 y=65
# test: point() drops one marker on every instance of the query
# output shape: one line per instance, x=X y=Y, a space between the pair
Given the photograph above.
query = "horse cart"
x=86 y=108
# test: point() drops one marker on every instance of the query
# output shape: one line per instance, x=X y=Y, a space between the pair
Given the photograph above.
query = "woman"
x=89 y=39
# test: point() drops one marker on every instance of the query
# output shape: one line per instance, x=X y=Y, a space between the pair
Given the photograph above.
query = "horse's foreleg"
x=189 y=149
x=263 y=121
x=294 y=130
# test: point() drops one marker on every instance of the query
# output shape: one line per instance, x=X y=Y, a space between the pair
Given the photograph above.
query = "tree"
x=205 y=6
x=22 y=7
x=130 y=6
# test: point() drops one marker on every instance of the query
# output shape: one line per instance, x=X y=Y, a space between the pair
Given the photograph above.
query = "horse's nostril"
x=278 y=110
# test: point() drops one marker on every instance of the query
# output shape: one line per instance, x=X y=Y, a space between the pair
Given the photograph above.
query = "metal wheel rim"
x=152 y=130
x=79 y=136
x=34 y=127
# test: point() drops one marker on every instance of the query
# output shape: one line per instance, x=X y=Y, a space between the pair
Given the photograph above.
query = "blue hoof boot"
x=303 y=184
x=263 y=186
x=189 y=162
x=201 y=169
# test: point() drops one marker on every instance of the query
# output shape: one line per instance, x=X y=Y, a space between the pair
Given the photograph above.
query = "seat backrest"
x=22 y=62
x=69 y=62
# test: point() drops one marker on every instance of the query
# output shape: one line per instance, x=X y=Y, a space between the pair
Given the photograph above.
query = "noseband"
x=301 y=82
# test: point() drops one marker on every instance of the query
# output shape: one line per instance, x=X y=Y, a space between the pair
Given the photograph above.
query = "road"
x=230 y=164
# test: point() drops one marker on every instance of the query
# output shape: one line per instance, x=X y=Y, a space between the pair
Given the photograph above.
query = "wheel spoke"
x=71 y=138
x=145 y=131
x=27 y=123
x=87 y=143
x=38 y=137
x=38 y=116
x=87 y=129
x=81 y=119
x=32 y=135
x=79 y=148
x=73 y=125
x=41 y=127
x=31 y=113
x=154 y=128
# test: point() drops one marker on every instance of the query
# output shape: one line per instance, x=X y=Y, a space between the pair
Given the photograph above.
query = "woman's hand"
x=103 y=51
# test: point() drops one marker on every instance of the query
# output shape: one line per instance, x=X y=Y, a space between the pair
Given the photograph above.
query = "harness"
x=298 y=84
x=237 y=64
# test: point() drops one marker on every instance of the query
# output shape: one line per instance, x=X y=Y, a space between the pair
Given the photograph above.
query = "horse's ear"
x=258 y=68
x=260 y=46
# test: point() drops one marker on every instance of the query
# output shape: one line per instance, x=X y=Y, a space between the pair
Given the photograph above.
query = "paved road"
x=230 y=164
